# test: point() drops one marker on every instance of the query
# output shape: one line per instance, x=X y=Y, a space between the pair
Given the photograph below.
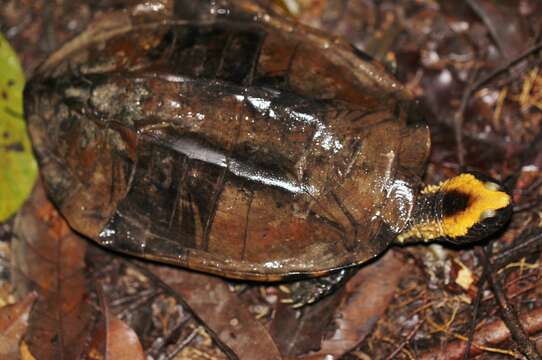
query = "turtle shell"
x=248 y=147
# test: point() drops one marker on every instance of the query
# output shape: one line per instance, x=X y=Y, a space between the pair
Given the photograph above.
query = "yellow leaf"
x=18 y=169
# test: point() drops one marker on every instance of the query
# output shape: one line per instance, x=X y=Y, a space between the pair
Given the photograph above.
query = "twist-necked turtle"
x=241 y=145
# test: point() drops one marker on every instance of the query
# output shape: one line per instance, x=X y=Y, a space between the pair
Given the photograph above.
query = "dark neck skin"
x=427 y=210
x=406 y=205
x=428 y=207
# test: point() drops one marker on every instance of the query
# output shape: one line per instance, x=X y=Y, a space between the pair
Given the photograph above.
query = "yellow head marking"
x=425 y=231
x=429 y=189
x=452 y=209
x=467 y=201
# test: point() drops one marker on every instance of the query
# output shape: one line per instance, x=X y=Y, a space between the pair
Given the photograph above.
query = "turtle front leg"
x=309 y=291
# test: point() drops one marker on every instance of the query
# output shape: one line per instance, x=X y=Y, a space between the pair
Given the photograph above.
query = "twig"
x=508 y=314
x=183 y=344
x=472 y=325
x=525 y=247
x=459 y=119
x=140 y=265
x=529 y=155
x=478 y=84
x=492 y=333
x=409 y=336
x=472 y=88
x=529 y=205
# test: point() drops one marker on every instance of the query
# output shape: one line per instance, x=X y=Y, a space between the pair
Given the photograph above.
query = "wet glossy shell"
x=249 y=149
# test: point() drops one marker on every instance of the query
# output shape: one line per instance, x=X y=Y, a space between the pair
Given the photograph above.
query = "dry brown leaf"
x=122 y=341
x=299 y=332
x=115 y=340
x=165 y=325
x=222 y=311
x=25 y=353
x=367 y=296
x=13 y=325
x=49 y=258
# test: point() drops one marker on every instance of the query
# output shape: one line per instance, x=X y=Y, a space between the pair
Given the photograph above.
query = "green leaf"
x=18 y=169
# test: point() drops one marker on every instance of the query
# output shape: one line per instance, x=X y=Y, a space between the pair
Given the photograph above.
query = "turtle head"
x=465 y=208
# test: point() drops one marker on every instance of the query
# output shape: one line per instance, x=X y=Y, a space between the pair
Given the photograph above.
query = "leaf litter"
x=478 y=82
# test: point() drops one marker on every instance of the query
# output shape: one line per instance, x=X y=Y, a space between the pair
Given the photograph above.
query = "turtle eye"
x=487 y=214
x=492 y=186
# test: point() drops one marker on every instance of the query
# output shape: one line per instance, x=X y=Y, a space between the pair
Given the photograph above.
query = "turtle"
x=235 y=142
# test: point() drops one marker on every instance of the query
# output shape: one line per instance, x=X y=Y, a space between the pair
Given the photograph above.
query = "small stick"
x=508 y=313
x=405 y=341
x=472 y=325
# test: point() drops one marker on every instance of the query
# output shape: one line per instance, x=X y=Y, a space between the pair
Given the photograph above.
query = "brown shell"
x=246 y=148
